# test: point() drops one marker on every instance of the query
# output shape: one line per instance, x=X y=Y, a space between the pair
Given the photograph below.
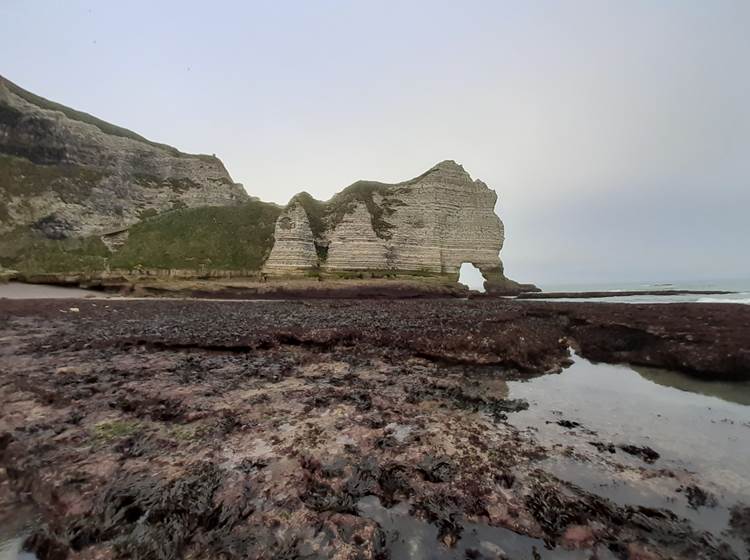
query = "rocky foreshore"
x=205 y=429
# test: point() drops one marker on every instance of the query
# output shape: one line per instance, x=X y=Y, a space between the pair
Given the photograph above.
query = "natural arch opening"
x=470 y=276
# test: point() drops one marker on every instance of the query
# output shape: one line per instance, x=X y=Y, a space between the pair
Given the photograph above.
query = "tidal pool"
x=700 y=429
x=707 y=431
x=13 y=531
x=410 y=538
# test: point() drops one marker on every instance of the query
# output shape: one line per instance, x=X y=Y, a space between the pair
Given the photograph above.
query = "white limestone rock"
x=432 y=223
x=444 y=220
x=354 y=245
x=293 y=248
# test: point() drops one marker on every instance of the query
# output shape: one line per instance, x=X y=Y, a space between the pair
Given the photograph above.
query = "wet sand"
x=354 y=429
x=19 y=290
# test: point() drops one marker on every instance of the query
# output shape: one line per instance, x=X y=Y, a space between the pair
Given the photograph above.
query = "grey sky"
x=617 y=134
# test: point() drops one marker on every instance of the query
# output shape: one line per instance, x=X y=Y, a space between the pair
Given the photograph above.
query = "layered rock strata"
x=430 y=224
x=354 y=245
x=294 y=245
x=66 y=173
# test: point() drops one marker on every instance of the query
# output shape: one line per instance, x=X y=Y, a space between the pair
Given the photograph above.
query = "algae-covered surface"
x=351 y=429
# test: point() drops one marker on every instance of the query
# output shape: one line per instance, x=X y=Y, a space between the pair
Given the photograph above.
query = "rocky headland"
x=430 y=224
x=85 y=198
x=66 y=174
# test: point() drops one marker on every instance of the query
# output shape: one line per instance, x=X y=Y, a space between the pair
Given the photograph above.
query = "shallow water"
x=10 y=549
x=729 y=391
x=12 y=534
x=742 y=298
x=739 y=287
x=705 y=433
x=410 y=538
x=699 y=428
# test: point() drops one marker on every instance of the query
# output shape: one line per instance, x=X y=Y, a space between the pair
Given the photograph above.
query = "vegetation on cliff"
x=21 y=177
x=325 y=215
x=80 y=195
x=31 y=253
x=366 y=192
x=65 y=173
x=227 y=237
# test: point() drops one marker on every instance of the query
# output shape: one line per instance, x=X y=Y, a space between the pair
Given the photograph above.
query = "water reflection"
x=691 y=429
x=410 y=538
x=10 y=549
x=730 y=391
x=15 y=523
x=699 y=428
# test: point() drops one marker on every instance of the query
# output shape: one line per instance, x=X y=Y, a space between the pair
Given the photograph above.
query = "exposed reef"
x=174 y=429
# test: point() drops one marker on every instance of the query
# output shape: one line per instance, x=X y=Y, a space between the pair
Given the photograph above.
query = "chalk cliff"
x=430 y=224
x=79 y=194
x=294 y=245
x=65 y=173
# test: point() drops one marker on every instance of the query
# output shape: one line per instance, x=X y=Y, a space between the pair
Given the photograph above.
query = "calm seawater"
x=741 y=286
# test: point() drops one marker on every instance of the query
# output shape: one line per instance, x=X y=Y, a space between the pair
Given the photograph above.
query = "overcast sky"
x=617 y=134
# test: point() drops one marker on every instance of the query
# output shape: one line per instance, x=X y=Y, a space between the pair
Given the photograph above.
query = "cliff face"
x=79 y=194
x=432 y=224
x=67 y=174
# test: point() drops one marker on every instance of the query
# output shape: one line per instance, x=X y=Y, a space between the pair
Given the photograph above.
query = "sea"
x=740 y=287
